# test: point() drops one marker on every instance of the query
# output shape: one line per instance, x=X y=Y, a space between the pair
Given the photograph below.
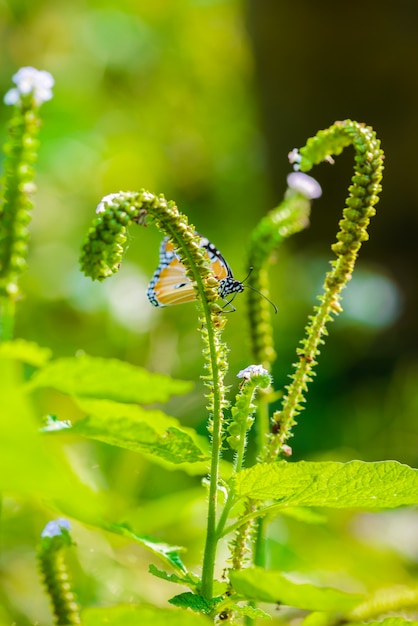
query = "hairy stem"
x=101 y=257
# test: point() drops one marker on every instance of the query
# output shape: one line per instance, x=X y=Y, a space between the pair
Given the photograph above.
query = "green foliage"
x=274 y=587
x=356 y=484
x=169 y=554
x=134 y=615
x=196 y=603
x=90 y=377
x=61 y=466
x=174 y=445
x=26 y=352
x=28 y=466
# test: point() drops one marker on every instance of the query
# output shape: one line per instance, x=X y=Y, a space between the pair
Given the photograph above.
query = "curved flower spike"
x=32 y=88
x=364 y=190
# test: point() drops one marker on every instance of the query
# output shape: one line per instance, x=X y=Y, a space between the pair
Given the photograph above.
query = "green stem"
x=211 y=534
x=238 y=462
x=7 y=318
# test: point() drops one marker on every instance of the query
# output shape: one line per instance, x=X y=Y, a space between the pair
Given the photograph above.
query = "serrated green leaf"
x=169 y=554
x=386 y=484
x=91 y=377
x=25 y=351
x=193 y=601
x=270 y=586
x=134 y=428
x=188 y=579
x=141 y=616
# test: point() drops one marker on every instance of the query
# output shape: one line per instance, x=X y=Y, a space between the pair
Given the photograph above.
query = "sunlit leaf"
x=25 y=351
x=386 y=484
x=169 y=554
x=32 y=466
x=188 y=579
x=93 y=377
x=270 y=586
x=134 y=428
x=146 y=615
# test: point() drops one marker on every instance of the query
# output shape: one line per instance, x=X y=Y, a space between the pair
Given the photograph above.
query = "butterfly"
x=171 y=285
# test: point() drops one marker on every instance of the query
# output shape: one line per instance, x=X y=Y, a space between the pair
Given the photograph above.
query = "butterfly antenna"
x=259 y=292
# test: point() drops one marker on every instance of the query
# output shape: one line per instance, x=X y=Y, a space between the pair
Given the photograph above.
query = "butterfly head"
x=228 y=286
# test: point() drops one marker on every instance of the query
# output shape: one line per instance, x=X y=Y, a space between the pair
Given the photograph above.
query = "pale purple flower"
x=252 y=370
x=30 y=80
x=305 y=185
x=55 y=527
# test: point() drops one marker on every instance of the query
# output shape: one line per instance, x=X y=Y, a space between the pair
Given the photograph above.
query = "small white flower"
x=304 y=184
x=252 y=370
x=294 y=156
x=11 y=97
x=30 y=80
x=55 y=527
x=146 y=195
x=105 y=201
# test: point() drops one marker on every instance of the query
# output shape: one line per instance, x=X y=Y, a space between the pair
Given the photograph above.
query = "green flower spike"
x=55 y=537
x=242 y=413
x=33 y=87
x=101 y=257
x=363 y=196
x=253 y=377
x=290 y=217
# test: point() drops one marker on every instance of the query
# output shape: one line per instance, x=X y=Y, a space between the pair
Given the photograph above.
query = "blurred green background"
x=201 y=100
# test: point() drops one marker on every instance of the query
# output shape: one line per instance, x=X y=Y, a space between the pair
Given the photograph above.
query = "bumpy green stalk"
x=242 y=414
x=101 y=257
x=15 y=211
x=255 y=378
x=353 y=232
x=55 y=575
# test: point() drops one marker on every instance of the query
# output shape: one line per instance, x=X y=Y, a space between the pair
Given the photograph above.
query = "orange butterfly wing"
x=170 y=283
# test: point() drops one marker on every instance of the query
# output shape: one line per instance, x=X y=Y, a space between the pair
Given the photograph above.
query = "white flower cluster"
x=29 y=80
x=251 y=371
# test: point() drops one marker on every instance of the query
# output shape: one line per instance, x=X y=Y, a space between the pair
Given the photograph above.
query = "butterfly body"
x=171 y=285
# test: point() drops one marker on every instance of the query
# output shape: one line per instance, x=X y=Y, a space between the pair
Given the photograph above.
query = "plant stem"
x=7 y=315
x=211 y=534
